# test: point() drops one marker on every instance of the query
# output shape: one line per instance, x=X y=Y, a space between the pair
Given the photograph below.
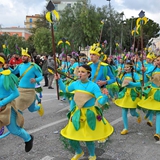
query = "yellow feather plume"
x=60 y=42
x=137 y=22
x=67 y=42
x=145 y=19
x=56 y=14
x=4 y=46
x=48 y=17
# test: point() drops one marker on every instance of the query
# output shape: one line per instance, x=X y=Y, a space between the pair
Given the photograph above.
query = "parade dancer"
x=129 y=96
x=30 y=74
x=152 y=101
x=101 y=73
x=9 y=115
x=86 y=121
x=148 y=67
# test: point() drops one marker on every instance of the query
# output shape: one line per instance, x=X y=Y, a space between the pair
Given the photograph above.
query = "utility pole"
x=110 y=41
x=122 y=14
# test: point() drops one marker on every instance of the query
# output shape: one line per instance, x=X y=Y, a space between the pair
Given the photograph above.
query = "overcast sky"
x=13 y=12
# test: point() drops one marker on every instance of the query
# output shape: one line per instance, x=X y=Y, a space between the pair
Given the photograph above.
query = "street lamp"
x=110 y=41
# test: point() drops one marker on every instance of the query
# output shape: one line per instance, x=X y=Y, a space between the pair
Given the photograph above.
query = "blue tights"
x=76 y=145
x=150 y=115
x=158 y=123
x=15 y=129
x=33 y=107
x=125 y=118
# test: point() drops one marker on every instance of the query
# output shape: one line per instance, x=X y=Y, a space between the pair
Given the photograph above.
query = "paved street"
x=137 y=144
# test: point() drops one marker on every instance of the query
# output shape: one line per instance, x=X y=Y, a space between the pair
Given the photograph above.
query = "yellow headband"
x=2 y=60
x=94 y=52
x=83 y=69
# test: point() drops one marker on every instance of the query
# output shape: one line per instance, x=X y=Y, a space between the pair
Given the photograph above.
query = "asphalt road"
x=137 y=144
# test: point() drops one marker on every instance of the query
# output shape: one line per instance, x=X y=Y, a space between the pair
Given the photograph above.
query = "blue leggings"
x=150 y=115
x=15 y=129
x=125 y=118
x=33 y=107
x=76 y=145
x=158 y=123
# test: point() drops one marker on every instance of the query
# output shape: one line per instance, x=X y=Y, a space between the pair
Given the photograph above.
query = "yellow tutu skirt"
x=102 y=130
x=126 y=101
x=150 y=103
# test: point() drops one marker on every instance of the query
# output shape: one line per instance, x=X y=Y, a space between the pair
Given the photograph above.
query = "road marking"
x=47 y=158
x=118 y=120
x=65 y=108
x=47 y=100
x=46 y=126
x=46 y=94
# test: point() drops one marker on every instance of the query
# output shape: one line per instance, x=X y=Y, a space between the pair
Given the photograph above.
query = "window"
x=56 y=6
x=30 y=26
x=69 y=5
x=30 y=20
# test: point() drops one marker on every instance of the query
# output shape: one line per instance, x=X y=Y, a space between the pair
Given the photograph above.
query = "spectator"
x=50 y=75
x=45 y=70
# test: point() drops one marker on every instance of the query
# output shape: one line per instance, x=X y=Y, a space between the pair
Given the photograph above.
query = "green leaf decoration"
x=91 y=119
x=122 y=93
x=69 y=113
x=66 y=94
x=133 y=94
x=146 y=91
x=157 y=95
x=99 y=111
x=39 y=89
x=10 y=81
x=76 y=119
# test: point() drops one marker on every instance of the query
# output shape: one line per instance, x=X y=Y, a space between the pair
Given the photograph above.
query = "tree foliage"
x=80 y=24
x=12 y=42
x=42 y=41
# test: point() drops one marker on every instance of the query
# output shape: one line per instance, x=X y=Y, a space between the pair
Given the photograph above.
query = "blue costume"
x=151 y=101
x=9 y=115
x=128 y=98
x=86 y=122
x=27 y=96
x=101 y=71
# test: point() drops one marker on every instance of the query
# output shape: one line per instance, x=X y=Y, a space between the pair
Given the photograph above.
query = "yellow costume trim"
x=6 y=72
x=84 y=92
x=99 y=97
x=2 y=60
x=104 y=64
x=156 y=73
x=89 y=63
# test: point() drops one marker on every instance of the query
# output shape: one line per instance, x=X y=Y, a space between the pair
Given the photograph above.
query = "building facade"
x=22 y=32
x=61 y=4
x=30 y=20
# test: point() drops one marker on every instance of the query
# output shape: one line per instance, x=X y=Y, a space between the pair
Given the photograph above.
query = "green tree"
x=80 y=24
x=42 y=41
x=12 y=42
x=150 y=30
